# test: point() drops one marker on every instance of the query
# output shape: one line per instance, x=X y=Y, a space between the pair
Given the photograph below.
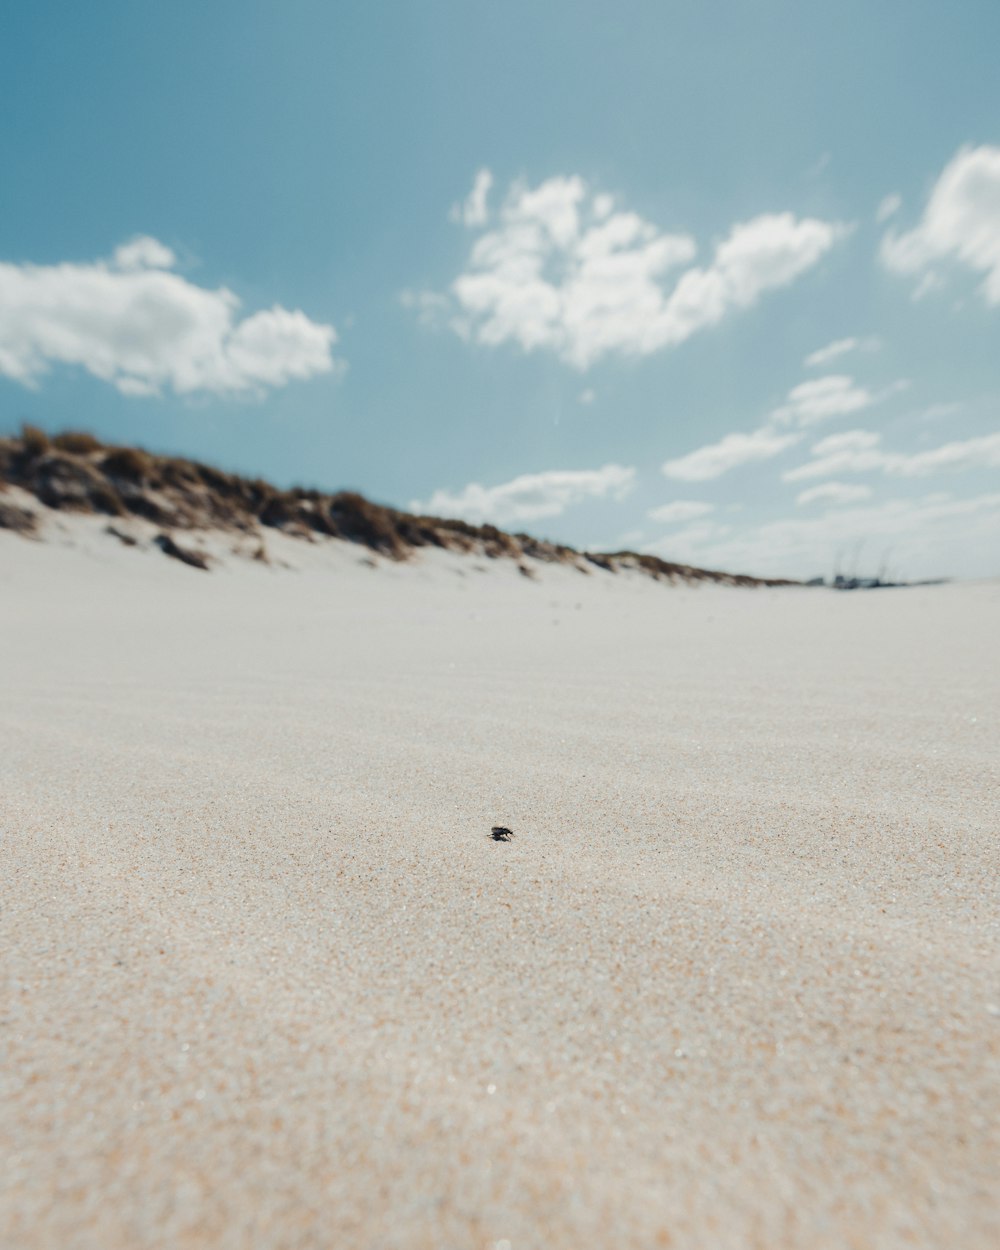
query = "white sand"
x=268 y=983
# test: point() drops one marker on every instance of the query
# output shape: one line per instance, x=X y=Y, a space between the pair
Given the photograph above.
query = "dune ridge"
x=75 y=472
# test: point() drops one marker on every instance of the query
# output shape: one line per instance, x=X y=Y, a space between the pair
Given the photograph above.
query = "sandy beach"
x=268 y=982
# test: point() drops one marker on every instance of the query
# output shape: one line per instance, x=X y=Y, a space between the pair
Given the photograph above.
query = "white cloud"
x=144 y=252
x=972 y=453
x=931 y=281
x=888 y=207
x=680 y=510
x=529 y=497
x=855 y=451
x=134 y=323
x=563 y=271
x=859 y=451
x=587 y=397
x=840 y=348
x=925 y=537
x=715 y=459
x=822 y=398
x=759 y=255
x=433 y=309
x=961 y=223
x=691 y=537
x=474 y=211
x=807 y=404
x=936 y=412
x=834 y=493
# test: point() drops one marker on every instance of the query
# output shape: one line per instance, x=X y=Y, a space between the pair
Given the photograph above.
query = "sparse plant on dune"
x=77 y=442
x=131 y=464
x=34 y=442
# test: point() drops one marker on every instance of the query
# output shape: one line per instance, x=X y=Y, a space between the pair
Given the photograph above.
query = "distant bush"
x=132 y=464
x=364 y=522
x=34 y=441
x=76 y=442
x=63 y=481
x=177 y=472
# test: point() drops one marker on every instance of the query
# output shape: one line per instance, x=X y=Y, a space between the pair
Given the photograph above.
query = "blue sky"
x=715 y=280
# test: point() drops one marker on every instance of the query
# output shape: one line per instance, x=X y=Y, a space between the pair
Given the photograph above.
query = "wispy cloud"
x=530 y=496
x=888 y=207
x=564 y=271
x=680 y=510
x=809 y=403
x=714 y=459
x=834 y=493
x=860 y=451
x=474 y=210
x=836 y=395
x=921 y=537
x=960 y=225
x=840 y=347
x=131 y=321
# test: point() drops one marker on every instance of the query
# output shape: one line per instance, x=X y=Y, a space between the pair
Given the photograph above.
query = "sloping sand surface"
x=267 y=982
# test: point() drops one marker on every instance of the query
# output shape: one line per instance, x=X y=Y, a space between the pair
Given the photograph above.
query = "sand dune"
x=268 y=982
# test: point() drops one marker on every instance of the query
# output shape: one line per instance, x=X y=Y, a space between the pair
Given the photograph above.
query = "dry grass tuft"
x=128 y=540
x=72 y=483
x=76 y=442
x=129 y=464
x=20 y=520
x=34 y=442
x=196 y=559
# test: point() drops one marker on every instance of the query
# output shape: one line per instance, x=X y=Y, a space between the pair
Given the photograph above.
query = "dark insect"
x=500 y=834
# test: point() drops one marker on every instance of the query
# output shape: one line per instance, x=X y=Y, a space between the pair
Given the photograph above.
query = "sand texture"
x=268 y=982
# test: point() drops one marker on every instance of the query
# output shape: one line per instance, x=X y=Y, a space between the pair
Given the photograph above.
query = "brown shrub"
x=131 y=464
x=34 y=441
x=62 y=481
x=278 y=511
x=176 y=472
x=76 y=442
x=361 y=521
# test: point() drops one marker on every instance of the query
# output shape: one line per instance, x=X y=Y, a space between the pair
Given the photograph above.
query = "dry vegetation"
x=75 y=472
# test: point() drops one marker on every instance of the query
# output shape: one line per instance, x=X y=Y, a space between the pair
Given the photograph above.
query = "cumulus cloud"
x=834 y=493
x=680 y=510
x=961 y=224
x=860 y=451
x=728 y=453
x=133 y=322
x=564 y=271
x=144 y=252
x=530 y=496
x=840 y=347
